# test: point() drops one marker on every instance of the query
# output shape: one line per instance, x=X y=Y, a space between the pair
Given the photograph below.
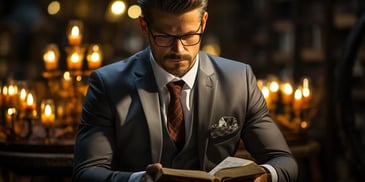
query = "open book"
x=230 y=169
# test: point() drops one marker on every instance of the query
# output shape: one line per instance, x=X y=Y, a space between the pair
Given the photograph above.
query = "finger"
x=153 y=168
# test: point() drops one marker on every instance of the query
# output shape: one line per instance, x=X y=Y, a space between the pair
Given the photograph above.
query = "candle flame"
x=12 y=90
x=23 y=94
x=48 y=110
x=67 y=75
x=75 y=31
x=75 y=57
x=11 y=111
x=274 y=86
x=298 y=94
x=30 y=99
x=266 y=92
x=288 y=89
x=50 y=56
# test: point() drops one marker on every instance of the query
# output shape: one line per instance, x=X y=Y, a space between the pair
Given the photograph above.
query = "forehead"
x=172 y=23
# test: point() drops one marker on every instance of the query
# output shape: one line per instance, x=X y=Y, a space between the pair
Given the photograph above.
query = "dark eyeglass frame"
x=172 y=38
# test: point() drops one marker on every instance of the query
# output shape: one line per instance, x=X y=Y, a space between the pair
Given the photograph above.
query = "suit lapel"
x=148 y=94
x=206 y=88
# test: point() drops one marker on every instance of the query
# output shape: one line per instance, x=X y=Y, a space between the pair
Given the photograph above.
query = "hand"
x=151 y=171
x=262 y=178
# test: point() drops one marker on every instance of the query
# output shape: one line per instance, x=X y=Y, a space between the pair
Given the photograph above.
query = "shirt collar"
x=163 y=77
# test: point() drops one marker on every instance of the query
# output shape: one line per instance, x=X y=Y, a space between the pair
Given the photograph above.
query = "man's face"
x=175 y=39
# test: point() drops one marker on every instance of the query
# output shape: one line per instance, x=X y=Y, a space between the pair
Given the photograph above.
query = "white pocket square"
x=225 y=126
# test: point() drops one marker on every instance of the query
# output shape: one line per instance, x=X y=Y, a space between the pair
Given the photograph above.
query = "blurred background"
x=308 y=57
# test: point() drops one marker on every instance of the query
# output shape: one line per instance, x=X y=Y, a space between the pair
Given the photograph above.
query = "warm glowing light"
x=12 y=90
x=30 y=99
x=266 y=92
x=306 y=91
x=5 y=90
x=51 y=56
x=94 y=57
x=304 y=124
x=23 y=94
x=75 y=31
x=54 y=7
x=274 y=86
x=75 y=58
x=118 y=7
x=11 y=111
x=134 y=11
x=48 y=112
x=288 y=89
x=67 y=75
x=298 y=94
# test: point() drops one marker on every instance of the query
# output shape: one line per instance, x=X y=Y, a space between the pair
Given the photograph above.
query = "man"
x=125 y=127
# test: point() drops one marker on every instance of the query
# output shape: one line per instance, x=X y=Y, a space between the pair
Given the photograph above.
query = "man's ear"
x=204 y=20
x=143 y=25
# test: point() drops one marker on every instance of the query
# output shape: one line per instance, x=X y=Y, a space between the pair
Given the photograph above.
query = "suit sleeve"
x=94 y=141
x=262 y=137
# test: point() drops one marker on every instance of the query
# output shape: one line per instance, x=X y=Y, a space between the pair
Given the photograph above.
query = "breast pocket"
x=226 y=125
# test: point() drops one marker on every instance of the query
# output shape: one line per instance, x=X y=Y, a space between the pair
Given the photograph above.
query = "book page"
x=230 y=162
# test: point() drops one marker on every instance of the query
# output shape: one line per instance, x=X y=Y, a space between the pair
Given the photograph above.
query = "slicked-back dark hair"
x=175 y=7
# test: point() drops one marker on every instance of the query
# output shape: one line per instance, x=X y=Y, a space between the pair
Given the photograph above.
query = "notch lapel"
x=206 y=89
x=148 y=94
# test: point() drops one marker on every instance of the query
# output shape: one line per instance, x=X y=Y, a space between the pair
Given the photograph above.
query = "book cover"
x=230 y=169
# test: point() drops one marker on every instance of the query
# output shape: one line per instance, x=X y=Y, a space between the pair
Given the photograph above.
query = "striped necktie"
x=175 y=116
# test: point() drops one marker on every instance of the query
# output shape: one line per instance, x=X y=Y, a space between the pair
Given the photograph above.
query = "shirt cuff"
x=136 y=177
x=274 y=175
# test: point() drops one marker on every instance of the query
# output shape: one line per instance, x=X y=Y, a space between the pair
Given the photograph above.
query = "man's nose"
x=178 y=45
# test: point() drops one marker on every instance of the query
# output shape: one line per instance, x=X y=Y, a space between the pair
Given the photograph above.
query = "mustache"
x=177 y=56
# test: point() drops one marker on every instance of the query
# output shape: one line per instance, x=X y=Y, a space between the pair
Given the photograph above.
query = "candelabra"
x=60 y=107
x=290 y=104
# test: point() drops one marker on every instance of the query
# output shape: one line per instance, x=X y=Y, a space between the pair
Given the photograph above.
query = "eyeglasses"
x=168 y=40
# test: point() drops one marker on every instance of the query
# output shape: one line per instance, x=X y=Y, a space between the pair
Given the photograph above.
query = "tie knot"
x=175 y=87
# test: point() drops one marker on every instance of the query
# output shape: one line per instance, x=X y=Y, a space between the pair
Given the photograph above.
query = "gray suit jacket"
x=121 y=130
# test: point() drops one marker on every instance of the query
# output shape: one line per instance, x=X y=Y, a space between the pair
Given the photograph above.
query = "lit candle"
x=12 y=92
x=10 y=116
x=30 y=103
x=4 y=94
x=66 y=81
x=287 y=93
x=74 y=61
x=307 y=96
x=51 y=56
x=74 y=36
x=274 y=88
x=75 y=56
x=266 y=92
x=23 y=96
x=297 y=104
x=48 y=113
x=94 y=57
